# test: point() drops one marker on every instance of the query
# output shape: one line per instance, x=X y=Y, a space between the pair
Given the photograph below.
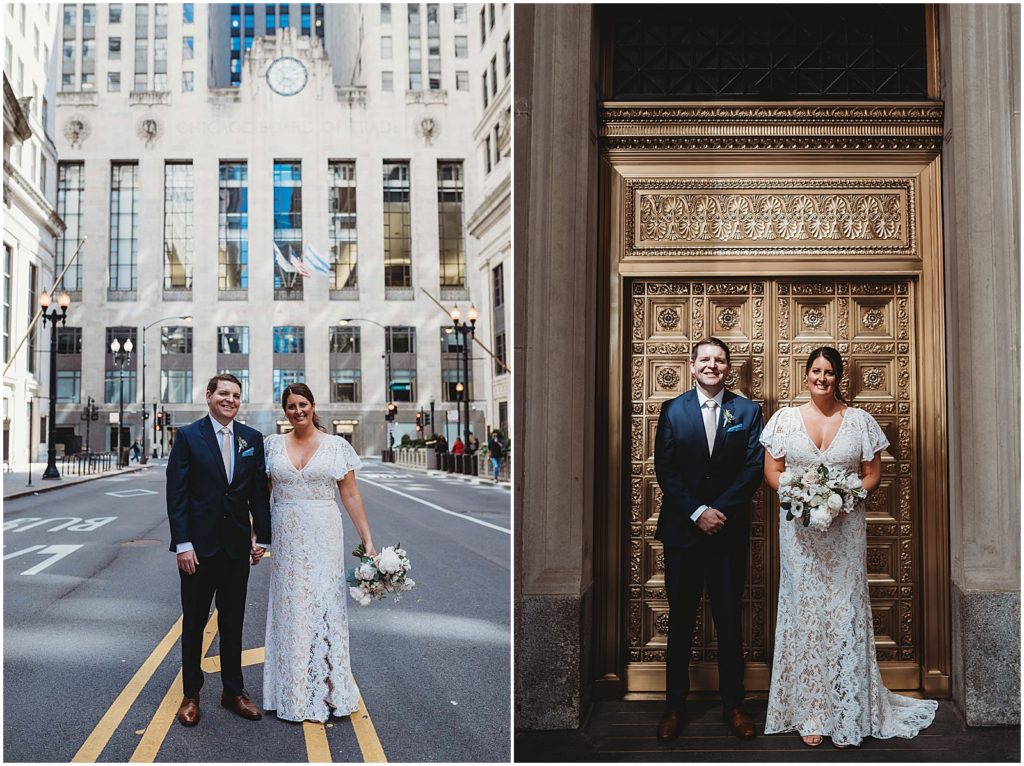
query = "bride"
x=825 y=676
x=308 y=675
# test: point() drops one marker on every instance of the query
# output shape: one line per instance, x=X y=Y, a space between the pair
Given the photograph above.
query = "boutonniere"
x=242 y=444
x=728 y=417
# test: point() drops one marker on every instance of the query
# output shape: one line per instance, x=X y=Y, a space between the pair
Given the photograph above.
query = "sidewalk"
x=15 y=482
x=504 y=483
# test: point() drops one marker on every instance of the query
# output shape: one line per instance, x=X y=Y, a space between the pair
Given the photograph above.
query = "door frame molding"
x=784 y=139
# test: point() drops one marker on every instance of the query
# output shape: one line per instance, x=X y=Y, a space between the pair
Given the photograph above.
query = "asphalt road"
x=91 y=604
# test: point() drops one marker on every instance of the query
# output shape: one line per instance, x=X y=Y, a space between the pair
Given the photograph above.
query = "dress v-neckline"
x=807 y=433
x=305 y=465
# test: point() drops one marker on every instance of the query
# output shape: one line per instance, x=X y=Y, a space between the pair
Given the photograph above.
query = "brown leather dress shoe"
x=739 y=723
x=671 y=724
x=241 y=705
x=188 y=711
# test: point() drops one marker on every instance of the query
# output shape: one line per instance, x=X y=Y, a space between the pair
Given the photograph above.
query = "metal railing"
x=478 y=464
x=86 y=463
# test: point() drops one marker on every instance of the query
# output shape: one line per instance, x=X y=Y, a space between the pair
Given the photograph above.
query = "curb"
x=48 y=487
x=462 y=477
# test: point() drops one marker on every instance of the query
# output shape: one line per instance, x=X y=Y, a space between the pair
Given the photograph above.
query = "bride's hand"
x=370 y=549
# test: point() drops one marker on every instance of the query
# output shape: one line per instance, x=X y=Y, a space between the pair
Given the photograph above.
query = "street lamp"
x=53 y=317
x=145 y=415
x=121 y=358
x=391 y=409
x=468 y=331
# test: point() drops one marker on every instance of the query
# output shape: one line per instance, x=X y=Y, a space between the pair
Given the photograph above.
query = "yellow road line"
x=316 y=742
x=93 y=746
x=160 y=724
x=366 y=735
x=249 y=657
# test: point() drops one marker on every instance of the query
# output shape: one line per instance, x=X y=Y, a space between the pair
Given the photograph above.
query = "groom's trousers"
x=229 y=579
x=722 y=564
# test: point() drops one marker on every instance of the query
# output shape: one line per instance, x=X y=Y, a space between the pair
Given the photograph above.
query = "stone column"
x=980 y=57
x=554 y=352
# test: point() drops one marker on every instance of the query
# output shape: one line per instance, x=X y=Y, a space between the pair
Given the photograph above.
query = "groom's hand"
x=187 y=562
x=711 y=521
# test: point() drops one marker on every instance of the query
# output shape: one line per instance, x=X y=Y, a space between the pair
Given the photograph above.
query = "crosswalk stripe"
x=93 y=746
x=156 y=732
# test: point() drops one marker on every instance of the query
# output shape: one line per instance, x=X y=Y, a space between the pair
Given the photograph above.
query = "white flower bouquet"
x=818 y=495
x=376 y=577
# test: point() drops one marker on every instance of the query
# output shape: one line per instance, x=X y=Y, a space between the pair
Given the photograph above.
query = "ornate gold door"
x=771 y=325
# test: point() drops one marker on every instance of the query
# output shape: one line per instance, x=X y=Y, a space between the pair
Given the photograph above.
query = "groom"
x=709 y=463
x=215 y=482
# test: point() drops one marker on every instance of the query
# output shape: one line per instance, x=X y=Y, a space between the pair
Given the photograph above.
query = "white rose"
x=786 y=478
x=356 y=593
x=388 y=561
x=820 y=518
x=809 y=478
x=364 y=601
x=853 y=482
x=365 y=571
x=835 y=502
x=409 y=584
x=816 y=501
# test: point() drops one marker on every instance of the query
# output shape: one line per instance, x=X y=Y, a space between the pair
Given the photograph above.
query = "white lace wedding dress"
x=825 y=677
x=307 y=675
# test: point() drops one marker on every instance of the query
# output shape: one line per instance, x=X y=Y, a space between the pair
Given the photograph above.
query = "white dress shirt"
x=701 y=400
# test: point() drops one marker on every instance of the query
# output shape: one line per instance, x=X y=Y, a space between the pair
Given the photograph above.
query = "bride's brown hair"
x=301 y=389
x=831 y=356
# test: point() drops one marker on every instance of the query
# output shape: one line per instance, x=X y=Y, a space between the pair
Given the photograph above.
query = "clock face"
x=287 y=76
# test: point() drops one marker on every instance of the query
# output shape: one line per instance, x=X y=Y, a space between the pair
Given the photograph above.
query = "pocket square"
x=737 y=427
x=248 y=452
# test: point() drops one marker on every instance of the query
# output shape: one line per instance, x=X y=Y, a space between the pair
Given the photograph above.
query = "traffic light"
x=392 y=412
x=167 y=418
x=426 y=418
x=160 y=421
x=419 y=421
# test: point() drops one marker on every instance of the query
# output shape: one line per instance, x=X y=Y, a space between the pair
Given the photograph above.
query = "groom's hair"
x=212 y=385
x=710 y=341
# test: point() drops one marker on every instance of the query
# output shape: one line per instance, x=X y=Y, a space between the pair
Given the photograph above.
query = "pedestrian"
x=136 y=451
x=441 y=446
x=473 y=446
x=496 y=451
x=458 y=448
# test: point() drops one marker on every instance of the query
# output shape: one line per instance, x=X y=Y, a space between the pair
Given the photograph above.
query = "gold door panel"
x=771 y=325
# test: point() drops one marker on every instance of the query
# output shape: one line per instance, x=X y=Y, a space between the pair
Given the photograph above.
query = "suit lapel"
x=721 y=430
x=691 y=408
x=206 y=429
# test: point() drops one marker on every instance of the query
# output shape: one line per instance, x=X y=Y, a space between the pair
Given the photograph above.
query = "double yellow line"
x=153 y=736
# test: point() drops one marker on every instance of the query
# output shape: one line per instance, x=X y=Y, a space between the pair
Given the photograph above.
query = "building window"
x=385 y=13
x=112 y=378
x=434 y=45
x=233 y=227
x=459 y=12
x=141 y=58
x=385 y=47
x=305 y=21
x=397 y=226
x=287 y=224
x=387 y=83
x=160 y=20
x=271 y=19
x=282 y=14
x=33 y=289
x=483 y=27
x=70 y=192
x=342 y=233
x=415 y=48
x=112 y=386
x=499 y=353
x=113 y=13
x=8 y=267
x=498 y=301
x=494 y=76
x=188 y=48
x=113 y=82
x=284 y=378
x=69 y=386
x=449 y=224
x=124 y=225
x=243 y=378
x=450 y=379
x=9 y=56
x=490 y=14
x=487 y=154
x=176 y=340
x=233 y=339
x=462 y=80
x=497 y=145
x=345 y=385
x=178 y=226
x=188 y=13
x=345 y=340
x=319 y=7
x=403 y=385
x=508 y=55
x=176 y=386
x=188 y=82
x=114 y=49
x=141 y=20
x=486 y=96
x=69 y=340
x=461 y=47
x=290 y=339
x=400 y=340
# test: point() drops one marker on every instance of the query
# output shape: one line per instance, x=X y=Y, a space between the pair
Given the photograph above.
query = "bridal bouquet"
x=375 y=577
x=817 y=496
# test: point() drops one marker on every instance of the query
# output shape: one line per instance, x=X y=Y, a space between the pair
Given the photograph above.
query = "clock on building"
x=287 y=76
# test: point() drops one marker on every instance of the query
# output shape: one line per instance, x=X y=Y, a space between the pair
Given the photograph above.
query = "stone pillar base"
x=986 y=656
x=552 y=658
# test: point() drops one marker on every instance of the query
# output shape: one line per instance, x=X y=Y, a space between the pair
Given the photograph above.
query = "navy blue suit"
x=725 y=480
x=203 y=508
